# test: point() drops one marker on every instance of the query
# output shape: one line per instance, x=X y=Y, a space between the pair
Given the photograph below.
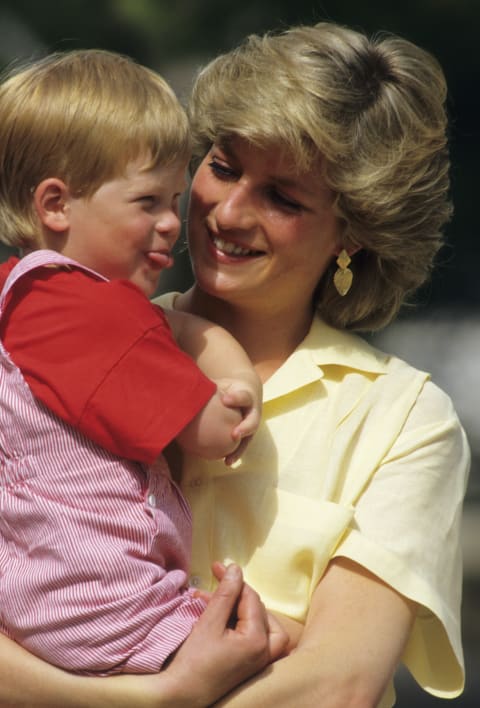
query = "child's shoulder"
x=120 y=302
x=5 y=269
x=115 y=308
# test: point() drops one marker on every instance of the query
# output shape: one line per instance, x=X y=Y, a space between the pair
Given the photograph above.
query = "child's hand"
x=245 y=396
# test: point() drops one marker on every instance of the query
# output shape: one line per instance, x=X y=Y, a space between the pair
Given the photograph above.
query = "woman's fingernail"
x=233 y=572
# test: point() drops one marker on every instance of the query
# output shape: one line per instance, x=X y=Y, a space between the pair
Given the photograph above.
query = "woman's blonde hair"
x=372 y=113
x=81 y=116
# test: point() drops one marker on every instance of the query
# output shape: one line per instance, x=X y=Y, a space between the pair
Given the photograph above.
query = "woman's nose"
x=235 y=210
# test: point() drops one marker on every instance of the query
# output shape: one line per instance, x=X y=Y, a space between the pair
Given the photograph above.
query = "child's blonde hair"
x=81 y=116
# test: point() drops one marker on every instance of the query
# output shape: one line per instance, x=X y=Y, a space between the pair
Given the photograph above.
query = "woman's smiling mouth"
x=231 y=249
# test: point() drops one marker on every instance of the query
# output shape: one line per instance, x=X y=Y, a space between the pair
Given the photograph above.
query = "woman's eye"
x=283 y=201
x=220 y=170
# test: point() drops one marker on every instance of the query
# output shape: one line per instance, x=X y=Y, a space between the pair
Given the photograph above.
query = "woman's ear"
x=51 y=201
x=351 y=250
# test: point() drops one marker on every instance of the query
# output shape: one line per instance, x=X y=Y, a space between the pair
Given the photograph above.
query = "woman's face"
x=260 y=233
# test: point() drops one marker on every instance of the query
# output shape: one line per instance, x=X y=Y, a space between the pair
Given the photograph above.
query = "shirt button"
x=151 y=500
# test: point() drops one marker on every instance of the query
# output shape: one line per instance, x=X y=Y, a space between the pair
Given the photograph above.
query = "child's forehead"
x=147 y=165
x=143 y=173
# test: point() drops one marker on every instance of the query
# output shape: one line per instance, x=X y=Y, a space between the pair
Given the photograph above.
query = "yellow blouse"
x=358 y=455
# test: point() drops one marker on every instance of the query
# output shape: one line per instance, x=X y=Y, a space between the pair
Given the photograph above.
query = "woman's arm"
x=233 y=414
x=214 y=658
x=356 y=631
x=26 y=680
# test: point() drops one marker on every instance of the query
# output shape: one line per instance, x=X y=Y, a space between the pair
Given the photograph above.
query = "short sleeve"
x=103 y=358
x=146 y=398
x=407 y=532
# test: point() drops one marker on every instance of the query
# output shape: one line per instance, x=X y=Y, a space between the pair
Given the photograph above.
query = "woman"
x=317 y=207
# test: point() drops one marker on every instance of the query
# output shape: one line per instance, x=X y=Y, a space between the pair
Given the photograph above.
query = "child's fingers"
x=237 y=398
x=248 y=424
x=238 y=452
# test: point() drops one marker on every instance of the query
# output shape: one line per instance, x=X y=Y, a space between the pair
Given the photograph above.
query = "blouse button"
x=151 y=500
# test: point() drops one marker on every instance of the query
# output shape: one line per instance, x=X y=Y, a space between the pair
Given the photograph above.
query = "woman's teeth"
x=231 y=249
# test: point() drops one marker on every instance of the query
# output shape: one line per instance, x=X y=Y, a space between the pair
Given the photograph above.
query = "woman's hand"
x=233 y=640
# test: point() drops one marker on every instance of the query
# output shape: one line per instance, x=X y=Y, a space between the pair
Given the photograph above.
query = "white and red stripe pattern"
x=94 y=549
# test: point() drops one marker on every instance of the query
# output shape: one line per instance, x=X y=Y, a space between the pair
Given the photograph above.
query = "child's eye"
x=147 y=201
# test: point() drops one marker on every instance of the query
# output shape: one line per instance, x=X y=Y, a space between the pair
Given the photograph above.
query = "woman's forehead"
x=274 y=159
x=275 y=151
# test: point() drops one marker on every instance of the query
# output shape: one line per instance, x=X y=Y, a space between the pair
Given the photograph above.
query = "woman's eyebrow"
x=225 y=145
x=294 y=184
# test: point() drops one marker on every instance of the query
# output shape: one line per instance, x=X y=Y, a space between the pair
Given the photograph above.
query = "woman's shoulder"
x=391 y=376
x=352 y=351
x=166 y=300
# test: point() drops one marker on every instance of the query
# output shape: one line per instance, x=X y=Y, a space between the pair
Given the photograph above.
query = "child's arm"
x=224 y=425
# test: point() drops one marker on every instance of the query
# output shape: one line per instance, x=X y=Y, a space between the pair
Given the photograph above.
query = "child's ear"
x=51 y=201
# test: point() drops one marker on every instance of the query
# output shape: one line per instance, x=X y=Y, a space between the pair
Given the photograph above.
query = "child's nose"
x=168 y=224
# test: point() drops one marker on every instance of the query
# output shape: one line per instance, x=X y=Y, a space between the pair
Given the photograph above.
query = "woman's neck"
x=268 y=336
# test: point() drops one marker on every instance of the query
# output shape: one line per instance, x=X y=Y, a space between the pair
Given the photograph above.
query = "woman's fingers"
x=223 y=601
x=278 y=638
x=229 y=643
x=252 y=617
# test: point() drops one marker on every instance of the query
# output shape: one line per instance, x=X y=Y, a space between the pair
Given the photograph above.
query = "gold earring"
x=343 y=276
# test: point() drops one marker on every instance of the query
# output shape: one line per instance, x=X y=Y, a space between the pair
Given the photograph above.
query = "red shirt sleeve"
x=103 y=358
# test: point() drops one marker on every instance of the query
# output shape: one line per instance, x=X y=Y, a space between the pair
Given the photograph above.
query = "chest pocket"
x=288 y=566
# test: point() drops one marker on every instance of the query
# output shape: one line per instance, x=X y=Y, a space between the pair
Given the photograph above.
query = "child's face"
x=127 y=229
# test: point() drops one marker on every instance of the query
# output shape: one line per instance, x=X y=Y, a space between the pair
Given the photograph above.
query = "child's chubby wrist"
x=250 y=378
x=247 y=387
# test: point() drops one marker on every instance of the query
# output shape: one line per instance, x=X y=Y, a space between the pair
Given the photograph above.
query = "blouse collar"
x=324 y=346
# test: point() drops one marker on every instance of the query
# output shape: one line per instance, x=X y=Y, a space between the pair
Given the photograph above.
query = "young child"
x=94 y=534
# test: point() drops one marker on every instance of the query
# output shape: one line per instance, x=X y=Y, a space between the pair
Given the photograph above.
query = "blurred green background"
x=442 y=335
